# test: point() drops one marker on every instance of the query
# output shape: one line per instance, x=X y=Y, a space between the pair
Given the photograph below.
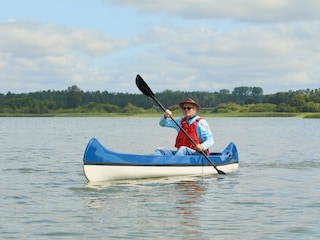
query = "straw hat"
x=189 y=101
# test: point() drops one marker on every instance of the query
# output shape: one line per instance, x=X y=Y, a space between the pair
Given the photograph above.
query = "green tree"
x=130 y=108
x=298 y=101
x=240 y=94
x=277 y=98
x=74 y=96
x=224 y=95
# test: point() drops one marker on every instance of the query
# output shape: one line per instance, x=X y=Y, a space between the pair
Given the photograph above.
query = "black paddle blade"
x=144 y=88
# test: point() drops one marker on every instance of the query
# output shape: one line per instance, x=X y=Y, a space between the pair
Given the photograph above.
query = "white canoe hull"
x=96 y=173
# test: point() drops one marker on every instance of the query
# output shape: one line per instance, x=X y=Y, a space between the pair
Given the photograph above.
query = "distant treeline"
x=241 y=99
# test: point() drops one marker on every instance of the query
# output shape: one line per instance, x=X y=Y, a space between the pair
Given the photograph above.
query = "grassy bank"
x=213 y=115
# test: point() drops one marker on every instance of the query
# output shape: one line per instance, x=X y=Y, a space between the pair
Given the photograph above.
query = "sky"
x=181 y=45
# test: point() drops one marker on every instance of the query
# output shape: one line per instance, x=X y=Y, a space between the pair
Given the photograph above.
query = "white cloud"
x=39 y=55
x=272 y=57
x=34 y=38
x=244 y=10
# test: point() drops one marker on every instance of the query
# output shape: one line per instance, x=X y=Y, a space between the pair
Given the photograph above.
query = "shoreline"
x=210 y=115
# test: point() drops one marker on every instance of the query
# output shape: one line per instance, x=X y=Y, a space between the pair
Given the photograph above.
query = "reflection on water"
x=191 y=192
x=159 y=201
x=188 y=206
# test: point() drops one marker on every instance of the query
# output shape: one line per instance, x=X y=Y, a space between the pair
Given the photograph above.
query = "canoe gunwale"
x=153 y=165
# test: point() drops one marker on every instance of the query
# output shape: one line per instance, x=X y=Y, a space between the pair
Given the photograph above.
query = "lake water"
x=44 y=194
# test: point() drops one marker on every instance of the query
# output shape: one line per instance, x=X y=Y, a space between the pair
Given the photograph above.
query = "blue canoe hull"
x=101 y=164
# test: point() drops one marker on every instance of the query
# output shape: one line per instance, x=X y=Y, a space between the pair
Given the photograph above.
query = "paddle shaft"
x=188 y=136
x=145 y=89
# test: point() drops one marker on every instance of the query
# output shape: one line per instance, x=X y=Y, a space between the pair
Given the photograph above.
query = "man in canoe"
x=194 y=126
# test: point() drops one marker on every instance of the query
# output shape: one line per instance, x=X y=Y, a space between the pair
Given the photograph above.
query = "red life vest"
x=183 y=140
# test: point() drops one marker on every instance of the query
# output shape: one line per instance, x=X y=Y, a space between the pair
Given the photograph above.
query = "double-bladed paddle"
x=145 y=89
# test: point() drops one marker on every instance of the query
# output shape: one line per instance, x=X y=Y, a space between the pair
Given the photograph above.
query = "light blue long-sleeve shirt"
x=203 y=129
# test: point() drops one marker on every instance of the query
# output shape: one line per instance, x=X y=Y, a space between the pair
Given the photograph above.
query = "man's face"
x=188 y=110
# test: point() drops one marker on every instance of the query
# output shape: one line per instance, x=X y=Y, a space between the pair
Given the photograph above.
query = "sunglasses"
x=187 y=108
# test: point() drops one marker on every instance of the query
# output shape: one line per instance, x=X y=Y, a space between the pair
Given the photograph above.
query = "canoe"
x=101 y=164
